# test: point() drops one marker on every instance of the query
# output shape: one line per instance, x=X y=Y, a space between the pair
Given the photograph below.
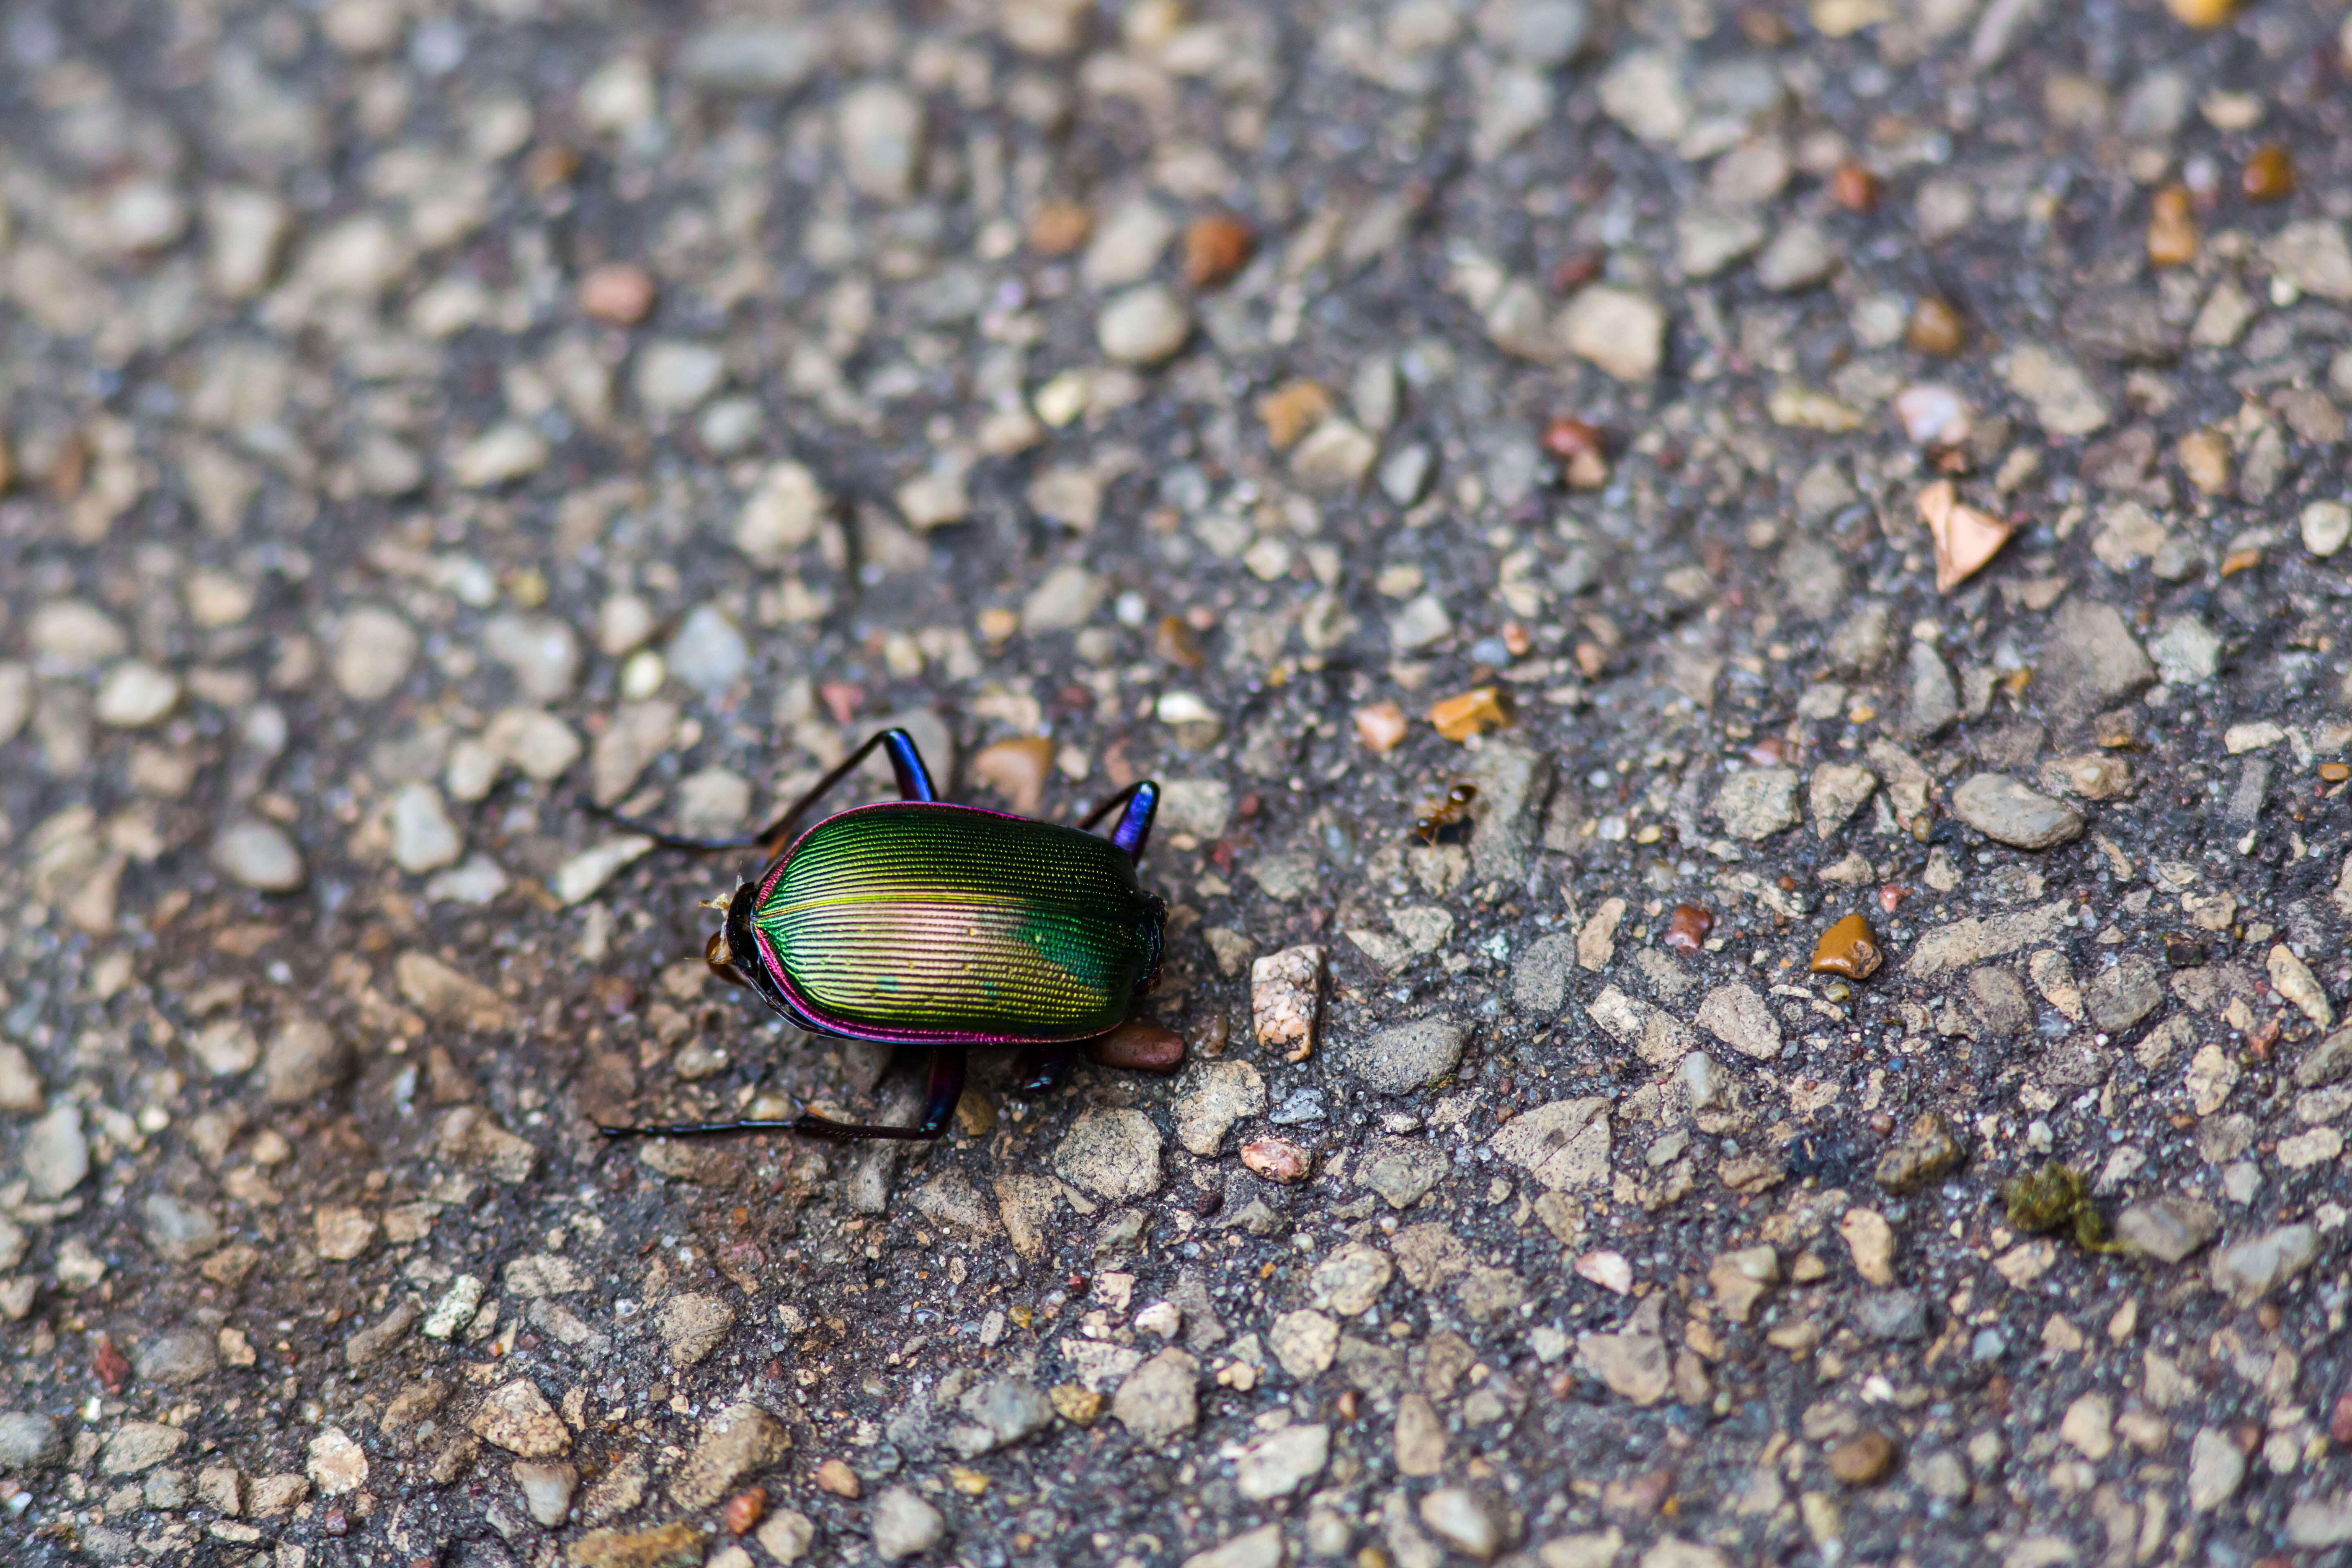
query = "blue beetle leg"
x=1040 y=1070
x=906 y=762
x=1141 y=799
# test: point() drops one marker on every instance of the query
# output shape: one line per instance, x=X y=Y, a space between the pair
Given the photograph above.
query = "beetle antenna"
x=661 y=836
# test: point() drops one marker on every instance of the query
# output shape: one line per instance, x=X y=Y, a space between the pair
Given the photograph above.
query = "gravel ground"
x=1857 y=487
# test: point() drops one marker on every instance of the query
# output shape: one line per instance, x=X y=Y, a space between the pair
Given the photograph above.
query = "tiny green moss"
x=2056 y=1197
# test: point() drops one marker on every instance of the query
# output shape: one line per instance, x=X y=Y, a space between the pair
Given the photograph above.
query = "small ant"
x=1451 y=811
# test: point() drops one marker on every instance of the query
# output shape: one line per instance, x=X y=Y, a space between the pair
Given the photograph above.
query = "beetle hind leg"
x=1041 y=1070
x=946 y=1087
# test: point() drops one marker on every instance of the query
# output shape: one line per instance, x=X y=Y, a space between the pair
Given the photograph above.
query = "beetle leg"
x=939 y=1098
x=1141 y=799
x=906 y=762
x=714 y=953
x=1040 y=1070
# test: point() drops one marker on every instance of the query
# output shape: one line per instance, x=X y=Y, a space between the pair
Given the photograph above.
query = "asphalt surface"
x=1794 y=462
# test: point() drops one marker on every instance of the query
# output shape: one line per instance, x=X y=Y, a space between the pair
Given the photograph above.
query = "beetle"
x=919 y=922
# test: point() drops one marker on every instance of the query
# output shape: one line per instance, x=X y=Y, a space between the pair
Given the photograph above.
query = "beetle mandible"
x=920 y=922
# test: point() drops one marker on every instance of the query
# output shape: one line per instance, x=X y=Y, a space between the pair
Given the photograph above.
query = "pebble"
x=1143 y=326
x=2315 y=257
x=541 y=746
x=1737 y=1014
x=1468 y=713
x=731 y=426
x=499 y=455
x=1334 y=458
x=708 y=653
x=787 y=1536
x=1112 y=1153
x=422 y=837
x=1065 y=600
x=137 y=1447
x=28 y=1440
x=135 y=694
x=1459 y=1518
x=336 y=1465
x=2123 y=995
x=583 y=876
x=1965 y=538
x=248 y=231
x=664 y=1546
x=1159 y=1400
x=1620 y=332
x=516 y=1416
x=1127 y=245
x=693 y=1325
x=17 y=699
x=1003 y=1411
x=640 y=732
x=1758 y=802
x=1836 y=793
x=1928 y=1151
x=178 y=1359
x=1933 y=701
x=1864 y=1459
x=1273 y=1158
x=1214 y=1097
x=20 y=1082
x=738 y=1441
x=1285 y=989
x=540 y=650
x=882 y=132
x=373 y=651
x=2327 y=527
x=835 y=1477
x=1891 y=1316
x=2250 y=1271
x=905 y=1525
x=1404 y=1057
x=2064 y=401
x=305 y=1059
x=618 y=292
x=1800 y=257
x=547 y=1489
x=2217 y=1468
x=1217 y=248
x=1280 y=1463
x=56 y=1154
x=674 y=378
x=2009 y=812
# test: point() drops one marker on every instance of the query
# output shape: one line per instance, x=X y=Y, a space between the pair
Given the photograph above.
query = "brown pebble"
x=1016 y=770
x=1381 y=727
x=618 y=292
x=2269 y=175
x=2339 y=1423
x=1849 y=947
x=2335 y=773
x=1853 y=188
x=1881 y=1123
x=1078 y=1406
x=1687 y=929
x=1582 y=450
x=111 y=1366
x=744 y=1510
x=838 y=1478
x=1276 y=1159
x=1935 y=327
x=1864 y=1459
x=1174 y=641
x=2171 y=228
x=1292 y=409
x=1473 y=712
x=548 y=167
x=1217 y=248
x=1144 y=1047
x=1060 y=229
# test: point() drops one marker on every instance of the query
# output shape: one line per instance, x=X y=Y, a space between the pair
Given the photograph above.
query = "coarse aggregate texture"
x=416 y=415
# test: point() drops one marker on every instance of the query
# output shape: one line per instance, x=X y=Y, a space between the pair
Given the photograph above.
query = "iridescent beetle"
x=919 y=922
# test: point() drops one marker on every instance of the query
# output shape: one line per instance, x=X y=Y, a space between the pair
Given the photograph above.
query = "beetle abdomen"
x=922 y=919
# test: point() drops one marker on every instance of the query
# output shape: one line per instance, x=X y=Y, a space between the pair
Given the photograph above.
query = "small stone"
x=259 y=856
x=499 y=455
x=20 y=1085
x=1736 y=1014
x=517 y=1417
x=1349 y=1281
x=2217 y=1468
x=2123 y=995
x=1137 y=1047
x=1456 y=1516
x=540 y=650
x=1935 y=327
x=740 y=1440
x=2269 y=175
x=674 y=378
x=838 y=1478
x=1405 y=1058
x=882 y=133
x=1217 y=248
x=693 y=1325
x=1756 y=802
x=787 y=1536
x=547 y=1489
x=336 y=1464
x=1619 y=331
x=422 y=837
x=1871 y=1240
x=248 y=229
x=28 y=1440
x=1864 y=1459
x=135 y=695
x=1065 y=600
x=2008 y=812
x=1741 y=1279
x=1157 y=1400
x=1892 y=1316
x=1285 y=989
x=1964 y=537
x=1687 y=929
x=56 y=1154
x=1003 y=1411
x=2250 y=1271
x=1928 y=1151
x=137 y=1447
x=1563 y=1143
x=1799 y=257
x=2326 y=526
x=618 y=292
x=708 y=653
x=374 y=650
x=1143 y=326
x=1282 y=1461
x=782 y=515
x=1127 y=245
x=1274 y=1158
x=1112 y=1153
x=1334 y=458
x=1472 y=712
x=2315 y=257
x=305 y=1059
x=1849 y=947
x=2094 y=775
x=905 y=1525
x=2064 y=401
